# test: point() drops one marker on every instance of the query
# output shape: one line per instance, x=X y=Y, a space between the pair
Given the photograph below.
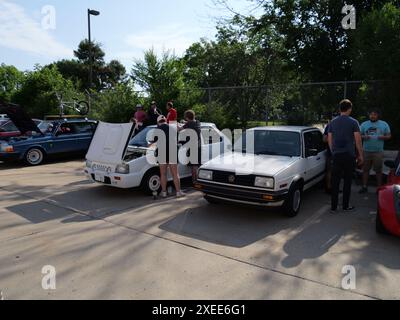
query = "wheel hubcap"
x=296 y=200
x=154 y=183
x=34 y=156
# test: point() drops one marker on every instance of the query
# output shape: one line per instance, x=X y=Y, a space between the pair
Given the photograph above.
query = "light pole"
x=91 y=13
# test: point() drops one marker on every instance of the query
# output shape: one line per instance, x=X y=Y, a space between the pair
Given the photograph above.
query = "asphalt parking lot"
x=120 y=244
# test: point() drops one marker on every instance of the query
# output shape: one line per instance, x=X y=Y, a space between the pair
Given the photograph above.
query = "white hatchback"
x=117 y=160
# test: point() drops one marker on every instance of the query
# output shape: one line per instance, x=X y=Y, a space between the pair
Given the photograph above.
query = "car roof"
x=298 y=129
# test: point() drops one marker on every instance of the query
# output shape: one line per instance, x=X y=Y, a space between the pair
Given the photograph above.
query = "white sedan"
x=271 y=169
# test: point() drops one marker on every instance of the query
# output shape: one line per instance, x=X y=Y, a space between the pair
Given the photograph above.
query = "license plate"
x=99 y=177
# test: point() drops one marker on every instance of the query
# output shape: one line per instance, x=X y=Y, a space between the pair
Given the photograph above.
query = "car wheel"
x=380 y=228
x=211 y=200
x=293 y=202
x=34 y=157
x=151 y=182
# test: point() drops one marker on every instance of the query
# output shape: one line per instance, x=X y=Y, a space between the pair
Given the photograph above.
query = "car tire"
x=380 y=228
x=292 y=204
x=151 y=182
x=34 y=157
x=211 y=200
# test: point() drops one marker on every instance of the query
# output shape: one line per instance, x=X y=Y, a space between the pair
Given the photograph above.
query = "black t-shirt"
x=194 y=125
x=152 y=117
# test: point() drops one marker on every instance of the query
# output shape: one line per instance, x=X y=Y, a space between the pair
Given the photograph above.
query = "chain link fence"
x=291 y=104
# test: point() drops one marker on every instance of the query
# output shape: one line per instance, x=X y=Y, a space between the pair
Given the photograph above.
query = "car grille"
x=227 y=177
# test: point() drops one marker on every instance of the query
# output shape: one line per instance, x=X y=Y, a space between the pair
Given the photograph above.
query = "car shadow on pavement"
x=228 y=225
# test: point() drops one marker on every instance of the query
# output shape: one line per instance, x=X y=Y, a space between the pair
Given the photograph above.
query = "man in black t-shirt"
x=193 y=124
x=153 y=114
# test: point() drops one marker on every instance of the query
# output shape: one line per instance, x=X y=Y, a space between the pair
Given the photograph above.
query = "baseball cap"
x=153 y=103
x=161 y=119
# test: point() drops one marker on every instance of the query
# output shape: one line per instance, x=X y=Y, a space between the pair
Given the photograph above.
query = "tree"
x=11 y=80
x=105 y=75
x=115 y=105
x=161 y=77
x=37 y=93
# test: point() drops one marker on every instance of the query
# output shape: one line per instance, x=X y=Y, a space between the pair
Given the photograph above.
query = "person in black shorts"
x=193 y=124
x=167 y=159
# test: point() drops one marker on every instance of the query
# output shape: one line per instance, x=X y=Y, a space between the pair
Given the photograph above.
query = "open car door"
x=110 y=142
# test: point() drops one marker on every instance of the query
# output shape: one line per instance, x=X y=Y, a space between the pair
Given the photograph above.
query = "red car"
x=388 y=217
x=8 y=129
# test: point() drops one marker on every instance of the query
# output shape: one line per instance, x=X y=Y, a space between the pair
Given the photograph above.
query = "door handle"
x=319 y=158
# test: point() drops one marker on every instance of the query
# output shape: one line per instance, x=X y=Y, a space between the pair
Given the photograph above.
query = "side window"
x=309 y=141
x=9 y=127
x=314 y=140
x=84 y=127
x=318 y=141
x=66 y=129
x=210 y=135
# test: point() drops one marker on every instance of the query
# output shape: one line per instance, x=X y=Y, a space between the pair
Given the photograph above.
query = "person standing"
x=153 y=114
x=328 y=175
x=345 y=142
x=167 y=159
x=193 y=124
x=172 y=116
x=374 y=133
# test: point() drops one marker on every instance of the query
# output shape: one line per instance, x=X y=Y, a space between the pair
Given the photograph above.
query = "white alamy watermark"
x=49 y=278
x=349 y=22
x=350 y=278
x=49 y=17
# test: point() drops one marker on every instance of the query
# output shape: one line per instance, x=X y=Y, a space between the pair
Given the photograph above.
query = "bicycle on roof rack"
x=82 y=107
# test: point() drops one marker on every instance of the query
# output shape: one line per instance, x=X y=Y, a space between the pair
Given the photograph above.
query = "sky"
x=42 y=31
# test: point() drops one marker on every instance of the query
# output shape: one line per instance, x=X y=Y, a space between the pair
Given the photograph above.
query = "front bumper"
x=123 y=181
x=7 y=156
x=242 y=195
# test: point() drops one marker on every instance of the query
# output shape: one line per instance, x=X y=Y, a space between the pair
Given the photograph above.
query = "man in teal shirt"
x=374 y=133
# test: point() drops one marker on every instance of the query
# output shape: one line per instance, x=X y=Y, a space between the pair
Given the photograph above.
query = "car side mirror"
x=312 y=153
x=390 y=164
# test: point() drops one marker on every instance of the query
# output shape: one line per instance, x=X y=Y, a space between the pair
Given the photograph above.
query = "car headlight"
x=264 y=182
x=205 y=175
x=88 y=164
x=122 y=169
x=7 y=148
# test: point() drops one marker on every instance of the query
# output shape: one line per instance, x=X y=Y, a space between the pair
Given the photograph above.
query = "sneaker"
x=180 y=194
x=349 y=209
x=363 y=190
x=334 y=211
x=164 y=195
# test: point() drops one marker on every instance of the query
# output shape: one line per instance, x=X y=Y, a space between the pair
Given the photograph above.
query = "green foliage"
x=105 y=76
x=10 y=81
x=376 y=44
x=37 y=93
x=115 y=105
x=161 y=78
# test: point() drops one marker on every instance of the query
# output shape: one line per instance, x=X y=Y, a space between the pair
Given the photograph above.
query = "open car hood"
x=19 y=117
x=110 y=142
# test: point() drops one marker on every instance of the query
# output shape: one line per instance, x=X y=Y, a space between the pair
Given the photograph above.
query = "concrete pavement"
x=120 y=244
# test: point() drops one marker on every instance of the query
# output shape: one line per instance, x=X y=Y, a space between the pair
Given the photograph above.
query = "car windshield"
x=140 y=140
x=271 y=142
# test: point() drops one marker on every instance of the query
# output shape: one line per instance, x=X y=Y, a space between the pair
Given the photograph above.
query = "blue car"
x=60 y=137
